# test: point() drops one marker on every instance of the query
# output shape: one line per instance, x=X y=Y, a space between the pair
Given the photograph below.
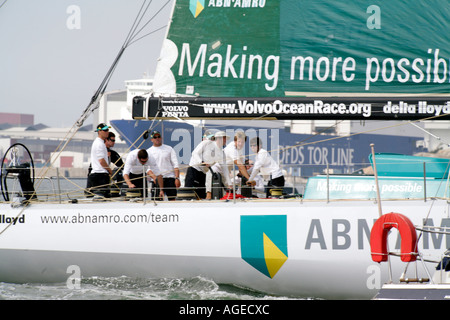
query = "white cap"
x=220 y=134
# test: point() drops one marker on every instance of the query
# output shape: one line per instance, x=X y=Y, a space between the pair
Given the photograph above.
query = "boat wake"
x=126 y=288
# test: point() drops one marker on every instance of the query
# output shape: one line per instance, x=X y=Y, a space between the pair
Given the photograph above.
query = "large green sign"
x=277 y=48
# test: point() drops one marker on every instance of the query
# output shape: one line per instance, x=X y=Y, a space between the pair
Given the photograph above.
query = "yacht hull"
x=283 y=247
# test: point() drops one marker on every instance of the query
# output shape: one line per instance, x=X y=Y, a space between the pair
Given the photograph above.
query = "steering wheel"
x=16 y=157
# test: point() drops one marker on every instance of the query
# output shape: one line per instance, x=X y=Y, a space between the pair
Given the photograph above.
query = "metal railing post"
x=424 y=183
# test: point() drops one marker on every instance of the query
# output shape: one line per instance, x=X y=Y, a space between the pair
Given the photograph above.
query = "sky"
x=54 y=54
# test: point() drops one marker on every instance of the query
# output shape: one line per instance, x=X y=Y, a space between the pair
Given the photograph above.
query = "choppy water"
x=125 y=288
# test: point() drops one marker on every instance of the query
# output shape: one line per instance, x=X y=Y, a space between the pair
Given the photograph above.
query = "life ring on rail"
x=379 y=233
x=229 y=196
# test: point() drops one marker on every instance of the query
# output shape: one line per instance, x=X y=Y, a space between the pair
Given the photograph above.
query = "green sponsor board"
x=268 y=48
x=387 y=46
x=227 y=50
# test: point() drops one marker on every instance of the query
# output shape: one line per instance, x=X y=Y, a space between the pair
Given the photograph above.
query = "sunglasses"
x=112 y=140
x=156 y=137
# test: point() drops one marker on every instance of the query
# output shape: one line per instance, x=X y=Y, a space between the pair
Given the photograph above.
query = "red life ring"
x=379 y=233
x=229 y=196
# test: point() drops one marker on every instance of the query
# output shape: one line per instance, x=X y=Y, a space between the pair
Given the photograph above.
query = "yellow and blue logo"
x=196 y=6
x=264 y=242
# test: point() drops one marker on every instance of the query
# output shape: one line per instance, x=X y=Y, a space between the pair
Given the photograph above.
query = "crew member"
x=116 y=160
x=114 y=156
x=205 y=155
x=137 y=165
x=259 y=181
x=99 y=178
x=167 y=162
x=265 y=164
x=234 y=153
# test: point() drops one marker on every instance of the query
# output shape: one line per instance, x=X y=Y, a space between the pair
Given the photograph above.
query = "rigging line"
x=109 y=74
x=133 y=143
x=134 y=23
x=332 y=138
x=320 y=131
x=102 y=88
x=131 y=35
x=147 y=34
x=136 y=140
x=96 y=97
x=151 y=18
x=338 y=137
x=429 y=133
x=153 y=121
x=94 y=100
x=79 y=123
x=105 y=81
x=367 y=131
x=126 y=151
x=50 y=163
x=1 y=5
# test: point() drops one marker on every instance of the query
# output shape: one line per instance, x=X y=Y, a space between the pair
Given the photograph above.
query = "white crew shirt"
x=133 y=165
x=233 y=154
x=98 y=151
x=265 y=164
x=209 y=152
x=166 y=159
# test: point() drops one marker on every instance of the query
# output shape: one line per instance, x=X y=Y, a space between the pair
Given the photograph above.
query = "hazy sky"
x=55 y=53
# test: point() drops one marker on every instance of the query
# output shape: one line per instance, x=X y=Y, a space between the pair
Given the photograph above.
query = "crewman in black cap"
x=101 y=172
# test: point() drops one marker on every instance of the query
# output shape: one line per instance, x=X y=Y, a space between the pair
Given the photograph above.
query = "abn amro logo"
x=196 y=6
x=264 y=242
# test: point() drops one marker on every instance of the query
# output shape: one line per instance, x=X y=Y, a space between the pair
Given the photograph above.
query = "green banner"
x=277 y=48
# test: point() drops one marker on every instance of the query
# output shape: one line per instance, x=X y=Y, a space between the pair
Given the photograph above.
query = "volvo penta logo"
x=264 y=242
x=196 y=6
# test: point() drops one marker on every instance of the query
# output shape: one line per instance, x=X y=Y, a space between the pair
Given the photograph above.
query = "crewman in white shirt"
x=265 y=164
x=234 y=153
x=138 y=164
x=101 y=172
x=205 y=155
x=167 y=162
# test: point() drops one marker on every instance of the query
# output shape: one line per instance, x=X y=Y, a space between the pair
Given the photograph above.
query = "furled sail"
x=295 y=59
